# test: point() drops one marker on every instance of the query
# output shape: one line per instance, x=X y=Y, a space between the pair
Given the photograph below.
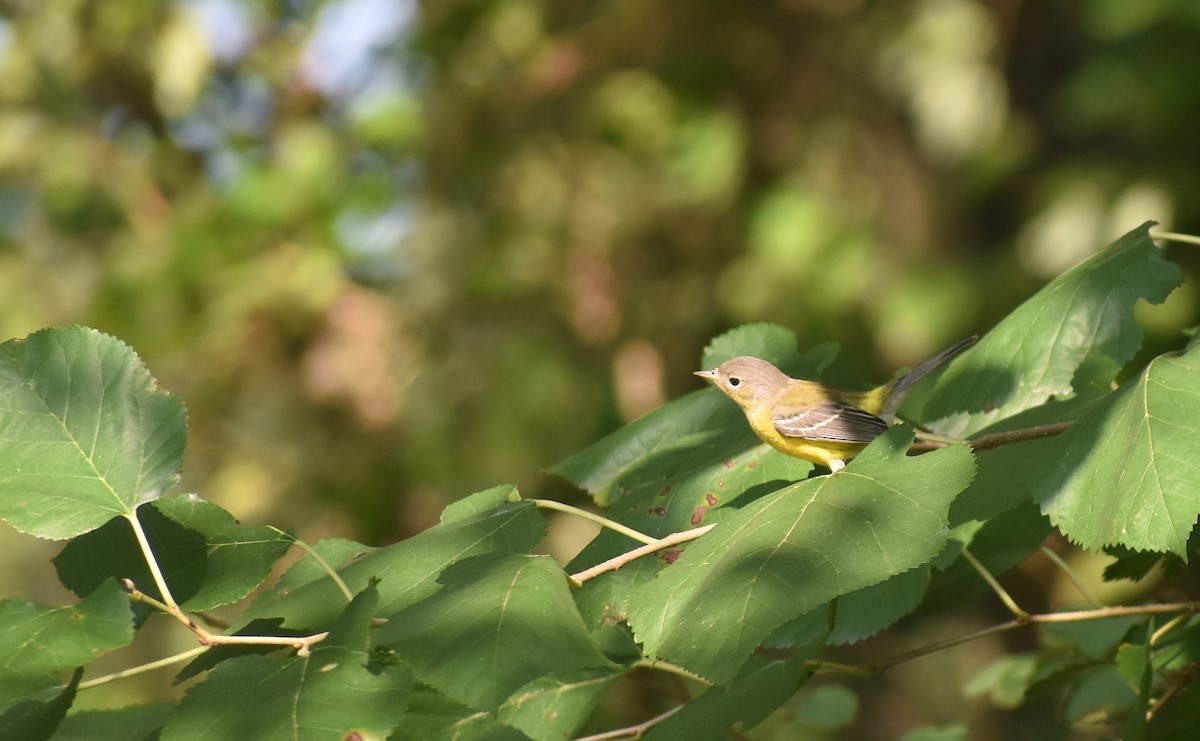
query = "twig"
x=143 y=668
x=1175 y=237
x=1070 y=572
x=1045 y=618
x=632 y=732
x=617 y=562
x=301 y=643
x=333 y=574
x=1004 y=596
x=598 y=519
x=927 y=441
x=152 y=563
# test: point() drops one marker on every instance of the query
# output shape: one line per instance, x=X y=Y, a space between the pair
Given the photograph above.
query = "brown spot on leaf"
x=710 y=498
x=729 y=464
x=665 y=491
x=660 y=511
x=671 y=555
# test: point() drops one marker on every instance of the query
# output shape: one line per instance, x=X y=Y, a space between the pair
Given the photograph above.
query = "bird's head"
x=748 y=381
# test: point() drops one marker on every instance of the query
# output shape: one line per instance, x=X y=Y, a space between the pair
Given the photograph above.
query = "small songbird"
x=808 y=420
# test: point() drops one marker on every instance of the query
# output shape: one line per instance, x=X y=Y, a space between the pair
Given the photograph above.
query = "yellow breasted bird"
x=808 y=420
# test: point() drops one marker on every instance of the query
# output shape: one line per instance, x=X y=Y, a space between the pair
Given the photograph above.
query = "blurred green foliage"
x=392 y=253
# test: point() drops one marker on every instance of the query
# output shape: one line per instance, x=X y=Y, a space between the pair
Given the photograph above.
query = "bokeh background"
x=391 y=253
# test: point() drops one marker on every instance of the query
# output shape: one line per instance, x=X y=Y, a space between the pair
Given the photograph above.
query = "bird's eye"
x=734 y=381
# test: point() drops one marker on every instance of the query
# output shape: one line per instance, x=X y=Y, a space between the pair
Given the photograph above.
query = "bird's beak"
x=710 y=375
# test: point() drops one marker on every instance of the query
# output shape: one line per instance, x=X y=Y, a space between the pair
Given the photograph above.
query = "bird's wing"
x=830 y=421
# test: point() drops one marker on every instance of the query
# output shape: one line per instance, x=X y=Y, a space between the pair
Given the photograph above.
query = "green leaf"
x=35 y=720
x=407 y=570
x=956 y=732
x=999 y=544
x=797 y=548
x=864 y=612
x=42 y=640
x=328 y=694
x=1081 y=321
x=207 y=558
x=1127 y=472
x=554 y=706
x=85 y=434
x=759 y=690
x=1005 y=680
x=499 y=622
x=131 y=723
x=826 y=708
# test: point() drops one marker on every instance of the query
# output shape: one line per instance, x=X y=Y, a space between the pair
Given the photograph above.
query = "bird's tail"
x=897 y=393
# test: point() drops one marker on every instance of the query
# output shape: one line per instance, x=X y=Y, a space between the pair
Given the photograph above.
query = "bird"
x=809 y=420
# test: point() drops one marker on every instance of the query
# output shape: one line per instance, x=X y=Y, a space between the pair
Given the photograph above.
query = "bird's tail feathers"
x=897 y=393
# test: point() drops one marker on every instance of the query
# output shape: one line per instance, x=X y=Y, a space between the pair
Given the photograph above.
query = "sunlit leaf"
x=753 y=695
x=38 y=640
x=85 y=434
x=794 y=550
x=407 y=570
x=1127 y=473
x=328 y=694
x=131 y=723
x=555 y=705
x=499 y=622
x=1082 y=318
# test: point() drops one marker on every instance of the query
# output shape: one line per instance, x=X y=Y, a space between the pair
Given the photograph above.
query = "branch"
x=927 y=442
x=598 y=519
x=1051 y=617
x=617 y=562
x=301 y=643
x=632 y=732
x=142 y=668
x=333 y=574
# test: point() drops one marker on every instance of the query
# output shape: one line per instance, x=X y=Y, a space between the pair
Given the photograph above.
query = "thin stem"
x=302 y=644
x=632 y=732
x=820 y=665
x=312 y=553
x=927 y=441
x=617 y=562
x=151 y=561
x=598 y=519
x=1004 y=596
x=143 y=668
x=1166 y=627
x=1070 y=572
x=1175 y=237
x=1075 y=616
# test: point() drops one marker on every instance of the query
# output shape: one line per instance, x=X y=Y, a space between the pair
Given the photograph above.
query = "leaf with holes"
x=85 y=434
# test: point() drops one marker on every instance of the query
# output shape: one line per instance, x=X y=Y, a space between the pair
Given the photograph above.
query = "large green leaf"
x=1082 y=322
x=329 y=694
x=41 y=640
x=85 y=434
x=35 y=719
x=130 y=723
x=499 y=622
x=407 y=570
x=760 y=689
x=794 y=550
x=208 y=559
x=555 y=705
x=1127 y=473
